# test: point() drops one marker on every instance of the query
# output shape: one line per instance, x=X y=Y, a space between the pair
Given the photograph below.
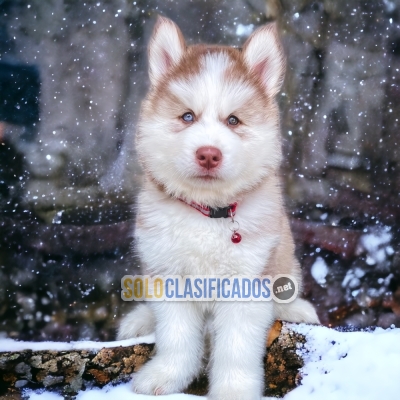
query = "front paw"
x=234 y=392
x=139 y=322
x=159 y=377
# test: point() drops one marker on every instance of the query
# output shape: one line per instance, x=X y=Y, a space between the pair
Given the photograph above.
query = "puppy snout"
x=208 y=157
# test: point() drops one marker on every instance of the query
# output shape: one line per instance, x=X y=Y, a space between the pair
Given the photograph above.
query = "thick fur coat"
x=223 y=99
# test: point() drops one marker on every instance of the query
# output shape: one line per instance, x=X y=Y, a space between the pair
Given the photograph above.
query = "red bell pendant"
x=236 y=237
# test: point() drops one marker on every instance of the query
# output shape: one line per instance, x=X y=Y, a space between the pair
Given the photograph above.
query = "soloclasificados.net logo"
x=281 y=288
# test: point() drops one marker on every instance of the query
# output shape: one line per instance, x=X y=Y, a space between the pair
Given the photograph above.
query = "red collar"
x=224 y=212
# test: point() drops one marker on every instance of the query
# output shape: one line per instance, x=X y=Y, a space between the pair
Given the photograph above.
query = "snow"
x=44 y=396
x=377 y=245
x=122 y=391
x=338 y=365
x=319 y=270
x=349 y=365
x=8 y=345
x=352 y=278
x=244 y=30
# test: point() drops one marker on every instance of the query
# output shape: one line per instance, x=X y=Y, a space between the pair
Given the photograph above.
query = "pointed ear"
x=165 y=49
x=264 y=56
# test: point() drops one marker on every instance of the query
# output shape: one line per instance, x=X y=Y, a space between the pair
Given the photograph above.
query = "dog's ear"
x=264 y=56
x=166 y=48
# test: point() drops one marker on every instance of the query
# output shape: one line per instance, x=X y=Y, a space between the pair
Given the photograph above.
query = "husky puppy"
x=209 y=142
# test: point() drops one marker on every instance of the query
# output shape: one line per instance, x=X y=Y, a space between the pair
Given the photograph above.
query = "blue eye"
x=232 y=120
x=188 y=117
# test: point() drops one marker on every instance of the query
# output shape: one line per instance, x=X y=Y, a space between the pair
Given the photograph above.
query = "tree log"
x=65 y=238
x=338 y=240
x=67 y=372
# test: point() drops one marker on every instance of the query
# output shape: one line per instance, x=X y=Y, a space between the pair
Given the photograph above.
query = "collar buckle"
x=223 y=212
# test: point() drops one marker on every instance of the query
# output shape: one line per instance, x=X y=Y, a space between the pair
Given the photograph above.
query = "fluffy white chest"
x=173 y=238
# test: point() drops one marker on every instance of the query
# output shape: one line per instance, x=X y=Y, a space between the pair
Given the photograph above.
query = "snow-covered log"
x=69 y=371
x=338 y=363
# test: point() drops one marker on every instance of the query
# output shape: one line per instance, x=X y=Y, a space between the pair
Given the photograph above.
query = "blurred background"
x=72 y=76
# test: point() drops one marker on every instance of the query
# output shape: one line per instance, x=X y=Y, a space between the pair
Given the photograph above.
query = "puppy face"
x=209 y=128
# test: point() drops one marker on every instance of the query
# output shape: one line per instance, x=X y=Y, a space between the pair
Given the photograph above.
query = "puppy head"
x=209 y=127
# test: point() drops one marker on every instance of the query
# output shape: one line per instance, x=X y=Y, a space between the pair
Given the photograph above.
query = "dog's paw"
x=158 y=377
x=233 y=393
x=299 y=310
x=139 y=322
x=235 y=389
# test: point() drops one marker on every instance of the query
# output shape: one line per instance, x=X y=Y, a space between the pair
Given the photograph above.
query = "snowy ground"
x=13 y=345
x=338 y=365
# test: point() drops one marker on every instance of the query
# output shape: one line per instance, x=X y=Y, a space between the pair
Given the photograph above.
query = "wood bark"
x=67 y=372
